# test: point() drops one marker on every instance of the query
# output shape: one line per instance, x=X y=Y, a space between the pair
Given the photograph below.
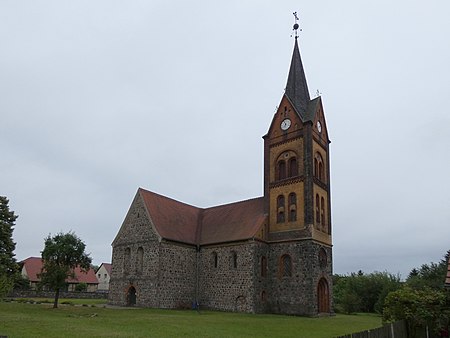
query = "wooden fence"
x=392 y=330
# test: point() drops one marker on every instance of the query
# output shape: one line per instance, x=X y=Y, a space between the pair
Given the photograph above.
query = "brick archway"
x=323 y=296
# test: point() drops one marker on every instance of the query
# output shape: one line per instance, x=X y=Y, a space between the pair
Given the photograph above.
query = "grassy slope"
x=40 y=320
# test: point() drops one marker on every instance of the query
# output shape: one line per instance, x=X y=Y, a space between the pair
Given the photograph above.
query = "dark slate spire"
x=296 y=87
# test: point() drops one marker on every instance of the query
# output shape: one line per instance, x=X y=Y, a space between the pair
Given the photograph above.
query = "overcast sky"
x=98 y=98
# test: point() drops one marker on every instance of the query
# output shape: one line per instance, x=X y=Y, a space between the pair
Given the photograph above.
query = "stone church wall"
x=228 y=285
x=297 y=293
x=177 y=275
x=261 y=280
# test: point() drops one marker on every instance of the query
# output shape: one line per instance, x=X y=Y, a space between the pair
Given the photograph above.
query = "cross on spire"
x=296 y=26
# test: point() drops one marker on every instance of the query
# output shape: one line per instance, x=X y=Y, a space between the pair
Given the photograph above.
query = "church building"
x=271 y=254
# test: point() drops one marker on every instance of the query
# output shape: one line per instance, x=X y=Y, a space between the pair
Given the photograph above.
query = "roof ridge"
x=168 y=198
x=232 y=203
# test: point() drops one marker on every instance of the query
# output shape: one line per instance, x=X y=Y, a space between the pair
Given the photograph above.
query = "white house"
x=103 y=274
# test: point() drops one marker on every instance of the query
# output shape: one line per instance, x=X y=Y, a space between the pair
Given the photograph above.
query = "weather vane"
x=296 y=25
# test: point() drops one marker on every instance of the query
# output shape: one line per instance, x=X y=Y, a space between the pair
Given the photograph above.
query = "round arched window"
x=323 y=260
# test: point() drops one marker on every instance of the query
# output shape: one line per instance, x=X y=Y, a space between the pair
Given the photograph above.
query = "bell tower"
x=296 y=163
x=297 y=199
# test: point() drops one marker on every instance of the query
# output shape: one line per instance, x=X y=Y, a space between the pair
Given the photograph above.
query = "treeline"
x=359 y=292
x=422 y=300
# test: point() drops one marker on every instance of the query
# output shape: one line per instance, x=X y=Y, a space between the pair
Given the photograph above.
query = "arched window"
x=140 y=260
x=281 y=169
x=215 y=259
x=292 y=207
x=317 y=209
x=323 y=258
x=263 y=266
x=319 y=172
x=280 y=209
x=322 y=212
x=126 y=261
x=293 y=167
x=286 y=266
x=321 y=175
x=316 y=168
x=234 y=259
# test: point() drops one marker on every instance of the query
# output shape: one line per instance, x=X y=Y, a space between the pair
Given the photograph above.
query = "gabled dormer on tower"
x=296 y=163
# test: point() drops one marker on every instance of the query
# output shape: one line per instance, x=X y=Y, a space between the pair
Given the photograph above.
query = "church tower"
x=297 y=199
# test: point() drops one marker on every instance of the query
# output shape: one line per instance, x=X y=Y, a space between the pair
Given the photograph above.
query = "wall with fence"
x=51 y=294
x=391 y=330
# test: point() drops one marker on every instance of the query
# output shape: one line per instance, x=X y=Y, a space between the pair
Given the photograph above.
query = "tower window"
x=323 y=258
x=293 y=167
x=322 y=211
x=281 y=169
x=292 y=207
x=317 y=209
x=280 y=209
x=286 y=266
x=319 y=171
x=316 y=168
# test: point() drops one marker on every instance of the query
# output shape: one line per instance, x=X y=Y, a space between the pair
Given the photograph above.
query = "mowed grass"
x=41 y=320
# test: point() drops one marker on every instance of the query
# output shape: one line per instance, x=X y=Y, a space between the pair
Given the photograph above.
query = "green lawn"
x=41 y=320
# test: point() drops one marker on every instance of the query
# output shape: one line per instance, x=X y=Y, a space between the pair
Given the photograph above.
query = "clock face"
x=285 y=124
x=319 y=127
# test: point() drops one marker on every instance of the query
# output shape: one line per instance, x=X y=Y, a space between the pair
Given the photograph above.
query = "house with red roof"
x=270 y=254
x=103 y=274
x=32 y=266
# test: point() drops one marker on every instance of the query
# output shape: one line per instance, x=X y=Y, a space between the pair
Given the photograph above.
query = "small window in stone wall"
x=263 y=266
x=234 y=259
x=323 y=260
x=215 y=259
x=263 y=296
x=126 y=261
x=140 y=260
x=286 y=266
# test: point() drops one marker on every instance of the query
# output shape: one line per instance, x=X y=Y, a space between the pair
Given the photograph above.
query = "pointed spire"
x=296 y=87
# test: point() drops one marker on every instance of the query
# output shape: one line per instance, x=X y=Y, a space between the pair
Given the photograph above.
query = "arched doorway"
x=323 y=296
x=131 y=296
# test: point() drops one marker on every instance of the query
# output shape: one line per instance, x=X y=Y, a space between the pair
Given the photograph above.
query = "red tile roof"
x=185 y=223
x=232 y=222
x=172 y=219
x=33 y=266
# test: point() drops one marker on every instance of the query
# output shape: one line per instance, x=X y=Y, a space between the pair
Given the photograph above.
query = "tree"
x=420 y=308
x=429 y=275
x=61 y=255
x=361 y=292
x=8 y=264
